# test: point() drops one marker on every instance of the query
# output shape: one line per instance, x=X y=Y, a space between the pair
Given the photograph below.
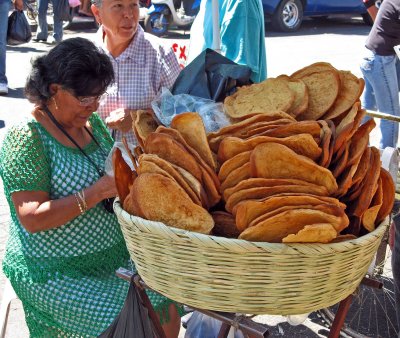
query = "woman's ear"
x=53 y=88
x=96 y=13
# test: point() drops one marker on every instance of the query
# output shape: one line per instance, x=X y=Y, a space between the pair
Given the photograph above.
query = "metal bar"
x=383 y=116
x=241 y=322
x=216 y=44
x=135 y=278
x=159 y=331
x=224 y=331
x=340 y=316
x=124 y=274
x=373 y=283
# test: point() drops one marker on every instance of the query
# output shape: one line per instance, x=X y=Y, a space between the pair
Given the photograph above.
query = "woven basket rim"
x=298 y=247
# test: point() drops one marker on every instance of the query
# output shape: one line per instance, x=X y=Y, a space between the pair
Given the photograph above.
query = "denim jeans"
x=42 y=30
x=4 y=9
x=381 y=92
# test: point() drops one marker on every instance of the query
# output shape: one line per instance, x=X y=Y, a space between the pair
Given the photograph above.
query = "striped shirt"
x=141 y=71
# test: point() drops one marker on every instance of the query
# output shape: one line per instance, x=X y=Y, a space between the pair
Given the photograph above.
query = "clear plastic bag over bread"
x=167 y=105
x=108 y=166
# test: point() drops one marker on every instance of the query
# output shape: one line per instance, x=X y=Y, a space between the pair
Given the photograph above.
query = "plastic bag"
x=62 y=8
x=166 y=106
x=18 y=29
x=201 y=325
x=295 y=320
x=108 y=165
x=133 y=320
x=211 y=76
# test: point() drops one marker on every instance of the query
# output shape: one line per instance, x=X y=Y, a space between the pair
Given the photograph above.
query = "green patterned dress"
x=65 y=277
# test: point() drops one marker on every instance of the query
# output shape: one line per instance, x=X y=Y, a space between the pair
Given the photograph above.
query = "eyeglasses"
x=88 y=100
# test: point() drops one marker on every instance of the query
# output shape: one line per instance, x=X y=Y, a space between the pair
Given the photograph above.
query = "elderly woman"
x=141 y=64
x=65 y=244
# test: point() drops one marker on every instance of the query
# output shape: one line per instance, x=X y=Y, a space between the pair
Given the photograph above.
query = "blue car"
x=287 y=15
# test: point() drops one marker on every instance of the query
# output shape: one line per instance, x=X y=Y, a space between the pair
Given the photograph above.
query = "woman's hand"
x=37 y=212
x=105 y=187
x=120 y=119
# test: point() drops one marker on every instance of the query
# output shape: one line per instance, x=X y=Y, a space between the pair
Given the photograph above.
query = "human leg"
x=368 y=96
x=42 y=30
x=398 y=71
x=388 y=101
x=58 y=24
x=4 y=8
x=380 y=72
x=82 y=306
x=171 y=329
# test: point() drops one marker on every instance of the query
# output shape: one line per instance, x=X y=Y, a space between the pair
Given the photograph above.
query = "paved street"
x=337 y=41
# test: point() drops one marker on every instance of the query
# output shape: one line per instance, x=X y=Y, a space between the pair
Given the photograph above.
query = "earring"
x=55 y=102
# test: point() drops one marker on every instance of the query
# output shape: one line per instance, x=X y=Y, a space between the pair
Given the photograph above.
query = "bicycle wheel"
x=373 y=311
x=31 y=9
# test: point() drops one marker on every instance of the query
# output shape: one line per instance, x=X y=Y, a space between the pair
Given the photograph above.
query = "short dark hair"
x=75 y=64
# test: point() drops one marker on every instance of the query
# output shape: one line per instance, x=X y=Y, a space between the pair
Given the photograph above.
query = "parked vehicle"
x=143 y=9
x=166 y=13
x=287 y=15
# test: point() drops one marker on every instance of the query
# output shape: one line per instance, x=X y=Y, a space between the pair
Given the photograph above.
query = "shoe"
x=3 y=89
x=52 y=41
x=39 y=40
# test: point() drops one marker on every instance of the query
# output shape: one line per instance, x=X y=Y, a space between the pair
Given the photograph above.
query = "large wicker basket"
x=233 y=275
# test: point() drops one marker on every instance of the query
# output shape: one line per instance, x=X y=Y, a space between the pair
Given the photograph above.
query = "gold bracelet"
x=81 y=195
x=79 y=203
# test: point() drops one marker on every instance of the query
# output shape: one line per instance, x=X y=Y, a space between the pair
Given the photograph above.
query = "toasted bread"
x=323 y=89
x=313 y=68
x=149 y=161
x=350 y=91
x=303 y=144
x=191 y=127
x=268 y=96
x=154 y=193
x=172 y=151
x=285 y=163
x=143 y=124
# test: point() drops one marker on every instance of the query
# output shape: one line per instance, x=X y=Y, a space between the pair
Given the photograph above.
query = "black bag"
x=18 y=29
x=211 y=76
x=63 y=9
x=133 y=320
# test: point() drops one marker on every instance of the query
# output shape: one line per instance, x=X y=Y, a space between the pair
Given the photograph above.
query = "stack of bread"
x=175 y=180
x=294 y=165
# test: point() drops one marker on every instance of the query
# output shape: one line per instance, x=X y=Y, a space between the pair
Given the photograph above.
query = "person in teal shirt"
x=242 y=32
